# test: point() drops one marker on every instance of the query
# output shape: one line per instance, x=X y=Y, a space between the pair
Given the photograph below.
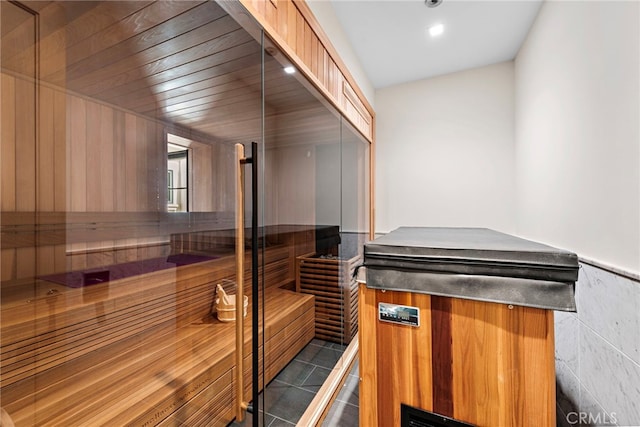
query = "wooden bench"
x=142 y=350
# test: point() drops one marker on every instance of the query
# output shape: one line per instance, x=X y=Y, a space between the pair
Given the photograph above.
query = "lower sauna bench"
x=149 y=356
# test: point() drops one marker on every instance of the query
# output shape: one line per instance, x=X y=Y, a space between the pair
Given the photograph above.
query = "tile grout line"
x=309 y=375
x=625 y=355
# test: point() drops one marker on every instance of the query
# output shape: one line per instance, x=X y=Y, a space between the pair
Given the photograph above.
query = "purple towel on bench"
x=92 y=276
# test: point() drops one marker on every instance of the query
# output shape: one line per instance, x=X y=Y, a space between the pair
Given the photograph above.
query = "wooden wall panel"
x=46 y=151
x=18 y=39
x=292 y=23
x=308 y=42
x=90 y=157
x=141 y=167
x=295 y=185
x=78 y=153
x=282 y=19
x=25 y=134
x=8 y=144
x=271 y=12
x=119 y=159
x=300 y=23
x=7 y=264
x=25 y=262
x=61 y=148
x=92 y=143
x=130 y=174
x=45 y=259
x=108 y=192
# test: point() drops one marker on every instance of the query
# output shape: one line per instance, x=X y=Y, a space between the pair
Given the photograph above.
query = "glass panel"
x=119 y=124
x=107 y=298
x=303 y=204
x=354 y=231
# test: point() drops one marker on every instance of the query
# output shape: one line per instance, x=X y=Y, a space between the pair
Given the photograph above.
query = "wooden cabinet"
x=482 y=363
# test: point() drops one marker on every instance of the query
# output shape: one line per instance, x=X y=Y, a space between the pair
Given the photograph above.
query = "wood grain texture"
x=496 y=368
x=8 y=143
x=45 y=150
x=153 y=332
x=25 y=148
x=510 y=354
x=336 y=295
x=395 y=362
x=101 y=118
x=368 y=354
x=167 y=60
x=303 y=41
x=442 y=363
x=60 y=155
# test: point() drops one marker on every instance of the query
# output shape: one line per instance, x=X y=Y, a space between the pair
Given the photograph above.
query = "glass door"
x=313 y=207
x=119 y=124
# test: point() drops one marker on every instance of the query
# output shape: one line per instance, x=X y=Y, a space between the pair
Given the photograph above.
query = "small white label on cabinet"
x=401 y=314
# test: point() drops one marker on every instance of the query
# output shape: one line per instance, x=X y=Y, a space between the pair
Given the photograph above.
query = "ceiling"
x=391 y=40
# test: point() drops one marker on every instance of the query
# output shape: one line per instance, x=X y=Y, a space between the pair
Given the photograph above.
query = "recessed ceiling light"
x=290 y=69
x=432 y=3
x=436 y=30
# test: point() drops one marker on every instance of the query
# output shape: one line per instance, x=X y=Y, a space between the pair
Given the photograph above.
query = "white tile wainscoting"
x=598 y=350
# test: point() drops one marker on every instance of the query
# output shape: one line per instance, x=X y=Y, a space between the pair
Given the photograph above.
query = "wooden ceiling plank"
x=17 y=51
x=214 y=88
x=59 y=14
x=169 y=33
x=193 y=72
x=136 y=23
x=248 y=109
x=230 y=63
x=232 y=85
x=235 y=129
x=172 y=53
x=231 y=90
x=11 y=18
x=54 y=46
x=53 y=16
x=187 y=68
x=202 y=88
x=219 y=100
x=284 y=90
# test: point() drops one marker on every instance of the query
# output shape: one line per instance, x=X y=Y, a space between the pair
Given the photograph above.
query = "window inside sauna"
x=177 y=178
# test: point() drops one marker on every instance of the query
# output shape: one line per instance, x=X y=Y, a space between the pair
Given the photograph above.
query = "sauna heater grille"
x=414 y=417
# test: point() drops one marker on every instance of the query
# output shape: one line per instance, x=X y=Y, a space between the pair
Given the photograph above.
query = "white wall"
x=326 y=16
x=445 y=151
x=577 y=130
x=577 y=164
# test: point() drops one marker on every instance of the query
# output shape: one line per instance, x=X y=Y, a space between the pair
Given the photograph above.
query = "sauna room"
x=189 y=191
x=160 y=159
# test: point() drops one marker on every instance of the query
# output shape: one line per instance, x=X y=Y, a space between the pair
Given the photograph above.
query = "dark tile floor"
x=293 y=389
x=344 y=411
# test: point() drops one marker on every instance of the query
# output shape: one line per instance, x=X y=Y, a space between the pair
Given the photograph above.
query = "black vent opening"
x=414 y=417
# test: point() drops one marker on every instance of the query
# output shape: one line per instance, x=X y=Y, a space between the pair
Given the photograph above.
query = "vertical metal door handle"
x=241 y=405
x=241 y=160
